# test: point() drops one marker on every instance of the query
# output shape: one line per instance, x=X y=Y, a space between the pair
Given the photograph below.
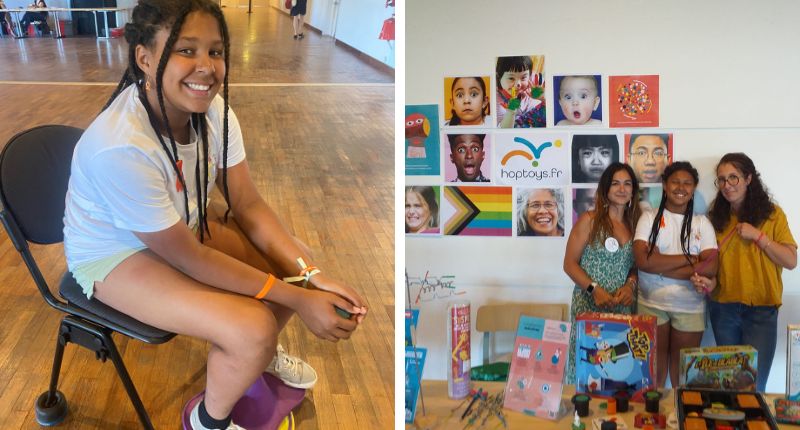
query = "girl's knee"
x=253 y=330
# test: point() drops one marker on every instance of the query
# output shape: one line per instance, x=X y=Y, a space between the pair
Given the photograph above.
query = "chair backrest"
x=505 y=317
x=34 y=173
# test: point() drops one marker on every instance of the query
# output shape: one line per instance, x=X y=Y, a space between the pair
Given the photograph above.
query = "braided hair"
x=686 y=227
x=150 y=16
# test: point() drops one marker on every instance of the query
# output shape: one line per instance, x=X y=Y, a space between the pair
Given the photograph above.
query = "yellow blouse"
x=746 y=274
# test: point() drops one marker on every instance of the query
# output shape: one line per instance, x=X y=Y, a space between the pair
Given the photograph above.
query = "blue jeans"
x=740 y=324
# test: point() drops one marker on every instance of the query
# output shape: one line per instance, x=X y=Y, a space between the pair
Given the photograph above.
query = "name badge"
x=612 y=245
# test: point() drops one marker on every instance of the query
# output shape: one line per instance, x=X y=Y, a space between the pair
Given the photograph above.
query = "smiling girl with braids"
x=141 y=236
x=670 y=246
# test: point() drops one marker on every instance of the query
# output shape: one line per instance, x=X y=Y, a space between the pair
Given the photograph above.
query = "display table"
x=438 y=407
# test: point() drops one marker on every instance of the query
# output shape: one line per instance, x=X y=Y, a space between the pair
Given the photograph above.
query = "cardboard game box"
x=537 y=367
x=615 y=353
x=719 y=367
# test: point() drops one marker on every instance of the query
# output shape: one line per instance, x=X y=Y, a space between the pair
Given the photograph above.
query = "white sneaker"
x=194 y=420
x=292 y=370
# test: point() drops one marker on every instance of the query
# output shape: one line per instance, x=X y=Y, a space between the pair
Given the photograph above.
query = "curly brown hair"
x=757 y=205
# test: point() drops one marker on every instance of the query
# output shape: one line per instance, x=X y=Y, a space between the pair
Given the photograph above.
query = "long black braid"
x=148 y=17
x=686 y=227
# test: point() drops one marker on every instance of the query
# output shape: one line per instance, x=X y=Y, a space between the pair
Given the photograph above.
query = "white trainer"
x=194 y=420
x=293 y=371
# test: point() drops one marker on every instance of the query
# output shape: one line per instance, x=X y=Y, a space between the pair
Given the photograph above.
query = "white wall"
x=728 y=82
x=359 y=23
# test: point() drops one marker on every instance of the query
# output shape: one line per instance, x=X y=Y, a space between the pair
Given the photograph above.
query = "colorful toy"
x=614 y=353
x=647 y=419
x=719 y=367
x=699 y=409
x=577 y=424
x=597 y=423
x=787 y=411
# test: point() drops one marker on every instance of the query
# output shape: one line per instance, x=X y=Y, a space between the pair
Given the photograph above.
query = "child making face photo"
x=520 y=92
x=469 y=101
x=579 y=98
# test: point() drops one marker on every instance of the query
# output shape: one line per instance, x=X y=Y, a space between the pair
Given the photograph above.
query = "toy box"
x=537 y=367
x=699 y=409
x=787 y=411
x=793 y=362
x=719 y=367
x=615 y=353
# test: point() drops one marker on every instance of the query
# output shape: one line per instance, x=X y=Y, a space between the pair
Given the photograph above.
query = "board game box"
x=719 y=367
x=537 y=367
x=614 y=353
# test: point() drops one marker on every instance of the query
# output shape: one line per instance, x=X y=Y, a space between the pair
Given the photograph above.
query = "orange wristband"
x=267 y=286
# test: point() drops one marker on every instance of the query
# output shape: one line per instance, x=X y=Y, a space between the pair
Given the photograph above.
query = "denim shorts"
x=683 y=321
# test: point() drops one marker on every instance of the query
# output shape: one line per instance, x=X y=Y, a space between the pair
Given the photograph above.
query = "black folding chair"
x=34 y=172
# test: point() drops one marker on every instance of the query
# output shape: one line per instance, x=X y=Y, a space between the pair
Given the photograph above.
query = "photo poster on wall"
x=633 y=101
x=422 y=140
x=648 y=153
x=469 y=157
x=583 y=199
x=520 y=92
x=422 y=210
x=541 y=212
x=466 y=101
x=532 y=159
x=592 y=154
x=477 y=211
x=537 y=367
x=579 y=99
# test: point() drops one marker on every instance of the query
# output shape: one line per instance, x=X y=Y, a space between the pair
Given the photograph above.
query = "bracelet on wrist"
x=306 y=272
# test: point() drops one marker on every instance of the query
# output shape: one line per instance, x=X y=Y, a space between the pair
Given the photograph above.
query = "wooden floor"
x=321 y=156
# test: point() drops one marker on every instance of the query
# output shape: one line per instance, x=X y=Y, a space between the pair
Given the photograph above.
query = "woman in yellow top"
x=755 y=245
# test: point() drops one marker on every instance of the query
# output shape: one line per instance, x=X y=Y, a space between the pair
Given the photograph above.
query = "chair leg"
x=122 y=371
x=51 y=406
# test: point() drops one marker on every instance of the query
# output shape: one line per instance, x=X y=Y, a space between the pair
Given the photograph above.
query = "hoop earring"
x=147 y=85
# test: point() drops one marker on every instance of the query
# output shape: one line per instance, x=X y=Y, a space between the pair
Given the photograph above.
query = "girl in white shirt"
x=141 y=237
x=670 y=245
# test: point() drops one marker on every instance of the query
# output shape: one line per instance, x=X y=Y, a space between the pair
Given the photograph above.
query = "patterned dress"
x=609 y=269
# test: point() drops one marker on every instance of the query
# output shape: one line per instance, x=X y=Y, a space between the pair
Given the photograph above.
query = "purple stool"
x=263 y=407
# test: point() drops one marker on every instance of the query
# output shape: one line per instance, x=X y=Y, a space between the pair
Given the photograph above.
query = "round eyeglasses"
x=657 y=154
x=731 y=180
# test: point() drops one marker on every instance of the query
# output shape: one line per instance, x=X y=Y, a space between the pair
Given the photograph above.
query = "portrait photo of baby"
x=579 y=100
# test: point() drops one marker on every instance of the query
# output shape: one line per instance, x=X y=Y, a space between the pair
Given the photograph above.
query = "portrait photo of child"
x=579 y=100
x=519 y=83
x=466 y=101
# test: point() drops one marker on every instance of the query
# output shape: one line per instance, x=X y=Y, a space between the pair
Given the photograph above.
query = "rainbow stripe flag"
x=479 y=211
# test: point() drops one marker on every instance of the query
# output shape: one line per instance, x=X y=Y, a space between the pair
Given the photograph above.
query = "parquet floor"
x=321 y=156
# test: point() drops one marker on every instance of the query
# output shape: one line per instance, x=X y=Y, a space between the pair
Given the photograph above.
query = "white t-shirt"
x=122 y=181
x=661 y=292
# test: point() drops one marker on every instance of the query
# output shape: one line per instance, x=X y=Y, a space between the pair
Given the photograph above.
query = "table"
x=438 y=405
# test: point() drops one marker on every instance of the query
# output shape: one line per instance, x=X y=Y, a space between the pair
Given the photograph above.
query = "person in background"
x=298 y=13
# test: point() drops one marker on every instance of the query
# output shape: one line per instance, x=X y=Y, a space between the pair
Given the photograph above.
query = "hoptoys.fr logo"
x=533 y=160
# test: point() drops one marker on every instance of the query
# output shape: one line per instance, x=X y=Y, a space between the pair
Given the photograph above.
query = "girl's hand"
x=319 y=315
x=624 y=296
x=357 y=306
x=747 y=231
x=702 y=284
x=602 y=298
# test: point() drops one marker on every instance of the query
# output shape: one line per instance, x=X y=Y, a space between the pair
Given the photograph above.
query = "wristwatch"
x=591 y=287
